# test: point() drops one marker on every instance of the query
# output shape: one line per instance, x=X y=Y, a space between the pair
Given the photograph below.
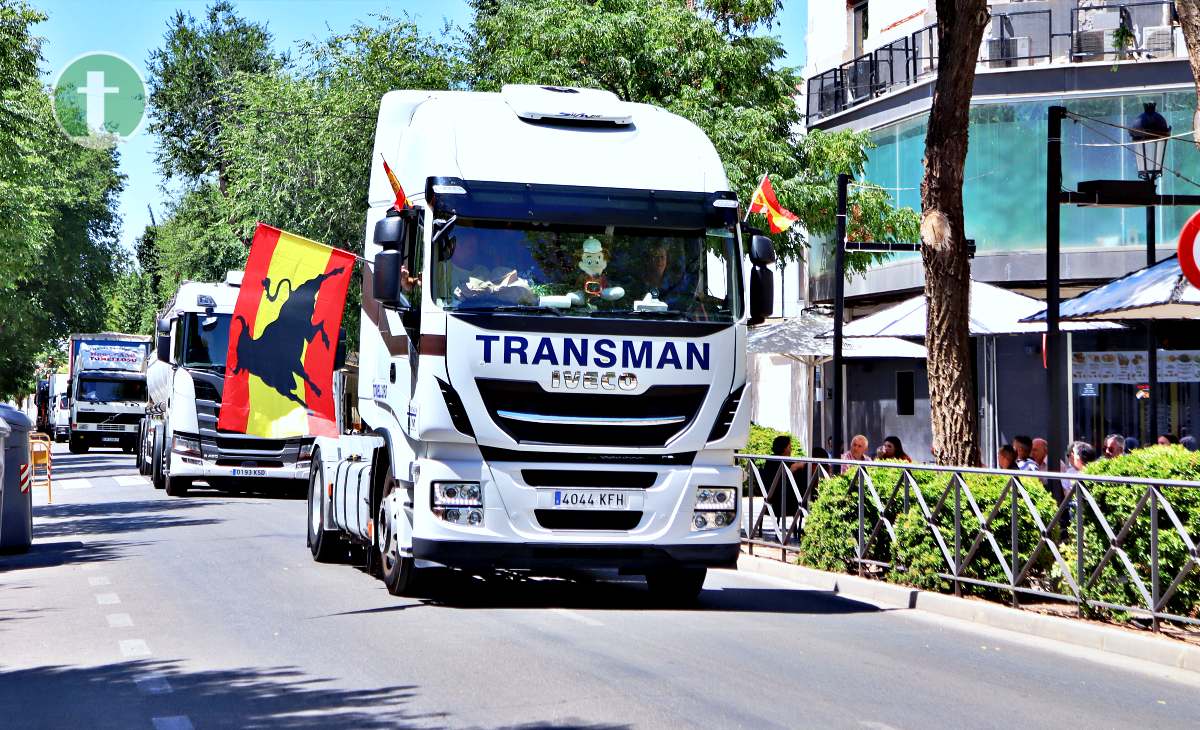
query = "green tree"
x=189 y=78
x=712 y=67
x=58 y=226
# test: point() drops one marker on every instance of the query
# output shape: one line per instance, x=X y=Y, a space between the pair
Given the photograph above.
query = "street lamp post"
x=1148 y=134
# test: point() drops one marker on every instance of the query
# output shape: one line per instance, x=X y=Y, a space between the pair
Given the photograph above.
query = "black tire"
x=76 y=445
x=399 y=572
x=326 y=546
x=676 y=586
x=156 y=461
x=176 y=486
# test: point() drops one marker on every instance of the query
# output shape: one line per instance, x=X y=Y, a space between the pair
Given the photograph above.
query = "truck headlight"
x=716 y=507
x=460 y=503
x=306 y=450
x=189 y=445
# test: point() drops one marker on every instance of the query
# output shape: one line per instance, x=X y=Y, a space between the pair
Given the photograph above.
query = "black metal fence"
x=1115 y=31
x=1085 y=542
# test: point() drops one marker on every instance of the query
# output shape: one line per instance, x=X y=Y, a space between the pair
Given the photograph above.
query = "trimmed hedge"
x=831 y=532
x=1117 y=504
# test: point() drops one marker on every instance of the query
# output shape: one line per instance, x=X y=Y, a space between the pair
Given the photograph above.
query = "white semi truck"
x=552 y=348
x=107 y=390
x=180 y=441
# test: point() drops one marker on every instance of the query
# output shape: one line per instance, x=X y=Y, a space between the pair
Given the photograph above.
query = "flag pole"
x=752 y=195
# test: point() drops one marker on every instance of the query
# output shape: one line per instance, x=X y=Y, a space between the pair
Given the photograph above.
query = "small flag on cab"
x=764 y=201
x=401 y=199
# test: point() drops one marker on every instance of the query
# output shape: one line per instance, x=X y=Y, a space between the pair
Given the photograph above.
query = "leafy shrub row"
x=831 y=530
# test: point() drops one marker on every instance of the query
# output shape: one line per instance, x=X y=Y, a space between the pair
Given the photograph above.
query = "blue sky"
x=132 y=29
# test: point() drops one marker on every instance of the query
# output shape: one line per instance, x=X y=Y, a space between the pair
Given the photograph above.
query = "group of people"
x=891 y=448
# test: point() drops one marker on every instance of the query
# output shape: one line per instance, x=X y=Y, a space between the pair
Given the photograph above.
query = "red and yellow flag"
x=283 y=337
x=764 y=201
x=401 y=199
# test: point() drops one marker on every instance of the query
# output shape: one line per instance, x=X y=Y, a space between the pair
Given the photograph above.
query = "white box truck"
x=552 y=347
x=60 y=407
x=180 y=440
x=107 y=389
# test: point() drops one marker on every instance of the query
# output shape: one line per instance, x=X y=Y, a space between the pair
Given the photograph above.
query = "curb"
x=1112 y=640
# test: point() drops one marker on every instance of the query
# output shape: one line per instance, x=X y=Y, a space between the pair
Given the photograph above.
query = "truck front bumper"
x=231 y=456
x=561 y=557
x=189 y=466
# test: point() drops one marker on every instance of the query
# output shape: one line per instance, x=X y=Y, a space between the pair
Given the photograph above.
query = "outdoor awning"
x=1154 y=292
x=994 y=311
x=802 y=337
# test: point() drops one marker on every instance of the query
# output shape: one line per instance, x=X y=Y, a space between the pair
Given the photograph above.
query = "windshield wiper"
x=523 y=308
x=641 y=313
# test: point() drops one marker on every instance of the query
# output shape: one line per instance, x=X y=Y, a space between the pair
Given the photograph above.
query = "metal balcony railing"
x=1114 y=31
x=1099 y=532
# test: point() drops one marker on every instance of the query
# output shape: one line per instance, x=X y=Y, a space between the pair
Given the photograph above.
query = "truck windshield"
x=100 y=390
x=588 y=271
x=205 y=339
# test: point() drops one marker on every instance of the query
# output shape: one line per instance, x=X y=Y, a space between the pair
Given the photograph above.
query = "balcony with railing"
x=1045 y=33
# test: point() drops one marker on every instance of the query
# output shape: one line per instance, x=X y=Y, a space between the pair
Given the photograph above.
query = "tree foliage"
x=189 y=79
x=58 y=226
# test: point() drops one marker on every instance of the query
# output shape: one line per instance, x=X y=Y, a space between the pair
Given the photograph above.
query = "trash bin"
x=16 y=506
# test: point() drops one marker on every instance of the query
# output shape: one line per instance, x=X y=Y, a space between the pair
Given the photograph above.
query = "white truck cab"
x=552 y=346
x=186 y=376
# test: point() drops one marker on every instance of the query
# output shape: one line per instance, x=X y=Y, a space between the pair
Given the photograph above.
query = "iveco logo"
x=592 y=380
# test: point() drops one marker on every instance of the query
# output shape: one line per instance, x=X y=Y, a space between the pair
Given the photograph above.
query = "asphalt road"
x=135 y=610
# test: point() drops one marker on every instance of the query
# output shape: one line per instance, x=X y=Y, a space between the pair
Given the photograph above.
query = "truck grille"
x=209 y=387
x=115 y=419
x=563 y=519
x=516 y=406
x=589 y=478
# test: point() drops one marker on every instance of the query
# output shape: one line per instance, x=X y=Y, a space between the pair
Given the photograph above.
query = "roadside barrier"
x=1108 y=543
x=39 y=470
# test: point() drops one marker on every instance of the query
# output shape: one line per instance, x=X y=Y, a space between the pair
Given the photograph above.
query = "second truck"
x=106 y=390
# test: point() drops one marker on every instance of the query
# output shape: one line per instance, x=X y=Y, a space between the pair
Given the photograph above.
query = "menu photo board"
x=1133 y=367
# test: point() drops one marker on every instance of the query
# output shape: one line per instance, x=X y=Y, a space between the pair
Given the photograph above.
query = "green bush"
x=1117 y=503
x=760 y=443
x=831 y=531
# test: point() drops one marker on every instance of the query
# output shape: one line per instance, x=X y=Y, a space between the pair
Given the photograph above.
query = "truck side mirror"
x=390 y=232
x=163 y=348
x=762 y=294
x=164 y=326
x=762 y=251
x=388 y=279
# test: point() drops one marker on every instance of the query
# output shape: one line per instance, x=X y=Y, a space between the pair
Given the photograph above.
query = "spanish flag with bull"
x=283 y=338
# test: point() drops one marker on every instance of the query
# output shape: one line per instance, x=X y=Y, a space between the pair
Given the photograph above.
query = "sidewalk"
x=1076 y=632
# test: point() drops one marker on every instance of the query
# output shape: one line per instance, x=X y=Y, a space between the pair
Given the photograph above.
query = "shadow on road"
x=104 y=518
x=93 y=471
x=129 y=694
x=452 y=589
x=49 y=554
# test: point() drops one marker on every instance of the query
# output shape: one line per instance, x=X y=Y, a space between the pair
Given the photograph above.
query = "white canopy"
x=802 y=336
x=1156 y=292
x=993 y=311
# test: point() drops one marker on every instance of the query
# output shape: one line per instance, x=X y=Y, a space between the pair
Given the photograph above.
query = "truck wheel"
x=176 y=486
x=676 y=586
x=139 y=451
x=399 y=572
x=325 y=545
x=76 y=445
x=156 y=462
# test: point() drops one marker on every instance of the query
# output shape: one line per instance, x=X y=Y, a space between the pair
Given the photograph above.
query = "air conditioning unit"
x=1008 y=52
x=1158 y=41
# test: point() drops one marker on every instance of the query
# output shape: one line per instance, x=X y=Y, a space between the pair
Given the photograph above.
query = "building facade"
x=871 y=67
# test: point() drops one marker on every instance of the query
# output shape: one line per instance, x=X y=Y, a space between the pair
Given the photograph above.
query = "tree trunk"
x=1189 y=18
x=943 y=239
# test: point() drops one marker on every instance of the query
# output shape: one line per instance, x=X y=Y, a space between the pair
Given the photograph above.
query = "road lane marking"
x=174 y=722
x=577 y=616
x=134 y=648
x=119 y=620
x=99 y=580
x=152 y=684
x=131 y=480
x=107 y=599
x=73 y=484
